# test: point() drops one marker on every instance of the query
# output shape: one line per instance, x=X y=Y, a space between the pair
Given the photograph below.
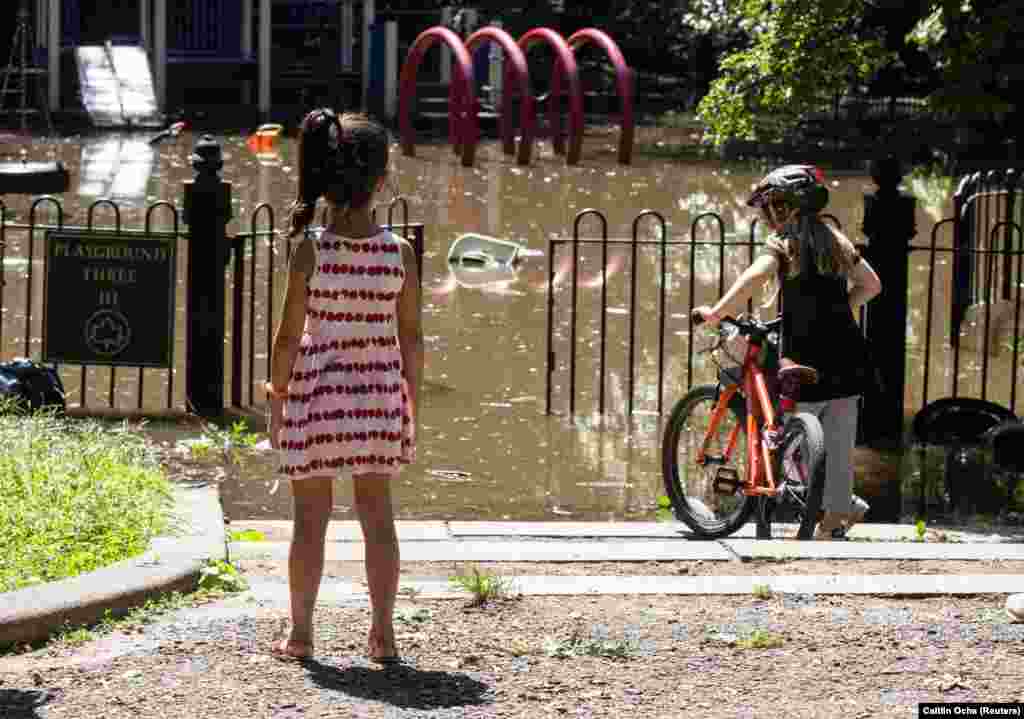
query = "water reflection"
x=116 y=166
x=487 y=450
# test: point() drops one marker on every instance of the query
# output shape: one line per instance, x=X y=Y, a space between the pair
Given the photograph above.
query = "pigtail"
x=312 y=148
x=340 y=158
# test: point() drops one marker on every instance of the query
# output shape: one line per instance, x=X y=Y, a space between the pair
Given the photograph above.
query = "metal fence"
x=935 y=353
x=986 y=258
x=259 y=259
x=689 y=246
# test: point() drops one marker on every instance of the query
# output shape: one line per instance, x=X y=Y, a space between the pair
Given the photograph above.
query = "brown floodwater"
x=487 y=450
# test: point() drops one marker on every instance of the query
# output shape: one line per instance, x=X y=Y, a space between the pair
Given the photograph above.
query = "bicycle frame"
x=760 y=413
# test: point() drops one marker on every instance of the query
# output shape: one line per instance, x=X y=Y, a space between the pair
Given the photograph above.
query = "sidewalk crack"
x=734 y=556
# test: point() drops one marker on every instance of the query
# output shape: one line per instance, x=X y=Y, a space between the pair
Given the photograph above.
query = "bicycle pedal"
x=727 y=481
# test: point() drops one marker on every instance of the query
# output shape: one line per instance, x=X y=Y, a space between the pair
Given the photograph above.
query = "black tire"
x=684 y=432
x=800 y=464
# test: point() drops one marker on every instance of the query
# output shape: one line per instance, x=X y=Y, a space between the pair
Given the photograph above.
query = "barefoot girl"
x=346 y=365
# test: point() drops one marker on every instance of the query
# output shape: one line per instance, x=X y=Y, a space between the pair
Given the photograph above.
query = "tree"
x=802 y=52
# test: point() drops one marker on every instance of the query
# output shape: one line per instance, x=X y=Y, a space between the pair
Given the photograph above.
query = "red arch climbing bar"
x=570 y=75
x=462 y=114
x=516 y=72
x=624 y=84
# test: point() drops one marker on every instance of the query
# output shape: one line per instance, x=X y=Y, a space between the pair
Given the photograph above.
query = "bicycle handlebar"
x=746 y=325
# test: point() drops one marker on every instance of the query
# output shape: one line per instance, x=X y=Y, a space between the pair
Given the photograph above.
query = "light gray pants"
x=839 y=421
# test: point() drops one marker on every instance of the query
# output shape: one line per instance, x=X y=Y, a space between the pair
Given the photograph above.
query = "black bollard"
x=207 y=212
x=889 y=226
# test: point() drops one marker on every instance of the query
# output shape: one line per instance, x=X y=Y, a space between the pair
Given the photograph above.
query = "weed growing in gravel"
x=663 y=512
x=246 y=535
x=227 y=445
x=220 y=576
x=992 y=615
x=484 y=587
x=413 y=616
x=762 y=591
x=579 y=646
x=408 y=590
x=921 y=529
x=75 y=495
x=761 y=639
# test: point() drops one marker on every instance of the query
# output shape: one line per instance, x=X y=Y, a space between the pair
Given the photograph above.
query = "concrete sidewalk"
x=175 y=562
x=553 y=542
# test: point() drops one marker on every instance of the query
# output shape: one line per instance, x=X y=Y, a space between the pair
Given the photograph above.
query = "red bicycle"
x=715 y=480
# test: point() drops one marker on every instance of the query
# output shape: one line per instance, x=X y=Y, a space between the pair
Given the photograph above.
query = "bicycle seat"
x=792 y=377
x=798 y=374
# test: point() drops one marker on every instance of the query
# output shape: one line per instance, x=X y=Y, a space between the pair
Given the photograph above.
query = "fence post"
x=889 y=226
x=207 y=212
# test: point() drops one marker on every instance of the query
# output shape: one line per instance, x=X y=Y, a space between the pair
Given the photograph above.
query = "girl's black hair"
x=341 y=158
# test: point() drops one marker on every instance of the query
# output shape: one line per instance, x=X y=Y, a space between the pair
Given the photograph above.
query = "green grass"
x=75 y=495
x=483 y=587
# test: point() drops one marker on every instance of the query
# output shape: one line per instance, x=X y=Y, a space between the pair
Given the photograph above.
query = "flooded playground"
x=486 y=448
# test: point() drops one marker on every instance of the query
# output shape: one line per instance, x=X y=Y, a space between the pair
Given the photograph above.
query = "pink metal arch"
x=515 y=70
x=462 y=124
x=624 y=84
x=569 y=73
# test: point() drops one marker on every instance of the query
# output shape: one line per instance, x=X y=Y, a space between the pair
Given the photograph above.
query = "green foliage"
x=663 y=513
x=413 y=616
x=920 y=528
x=761 y=639
x=801 y=53
x=762 y=591
x=74 y=496
x=578 y=645
x=220 y=576
x=484 y=587
x=246 y=535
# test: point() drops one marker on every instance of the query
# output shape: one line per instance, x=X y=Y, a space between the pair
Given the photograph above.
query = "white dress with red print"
x=348 y=409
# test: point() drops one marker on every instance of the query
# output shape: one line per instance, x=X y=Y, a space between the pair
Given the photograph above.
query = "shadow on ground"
x=24 y=703
x=400 y=685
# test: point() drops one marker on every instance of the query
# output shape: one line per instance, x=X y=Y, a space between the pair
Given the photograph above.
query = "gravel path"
x=787 y=656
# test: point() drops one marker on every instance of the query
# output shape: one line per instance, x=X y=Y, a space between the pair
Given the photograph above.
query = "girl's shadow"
x=400 y=685
x=24 y=703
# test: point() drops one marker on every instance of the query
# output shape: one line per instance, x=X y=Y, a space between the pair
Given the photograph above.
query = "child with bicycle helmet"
x=823 y=281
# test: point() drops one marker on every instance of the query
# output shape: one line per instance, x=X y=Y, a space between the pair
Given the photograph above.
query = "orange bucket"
x=265 y=138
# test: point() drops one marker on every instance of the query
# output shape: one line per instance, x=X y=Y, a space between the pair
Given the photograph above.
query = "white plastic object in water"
x=474 y=249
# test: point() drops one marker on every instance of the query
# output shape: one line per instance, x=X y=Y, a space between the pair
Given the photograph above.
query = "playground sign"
x=109 y=299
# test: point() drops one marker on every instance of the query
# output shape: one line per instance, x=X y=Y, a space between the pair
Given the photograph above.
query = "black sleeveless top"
x=819 y=331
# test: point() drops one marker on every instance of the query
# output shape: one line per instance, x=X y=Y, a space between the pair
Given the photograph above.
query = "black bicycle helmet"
x=801 y=187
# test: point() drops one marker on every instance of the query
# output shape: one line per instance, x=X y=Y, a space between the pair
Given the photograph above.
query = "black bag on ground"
x=33 y=385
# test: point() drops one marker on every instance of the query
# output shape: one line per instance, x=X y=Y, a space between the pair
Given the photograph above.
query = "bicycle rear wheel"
x=800 y=469
x=689 y=484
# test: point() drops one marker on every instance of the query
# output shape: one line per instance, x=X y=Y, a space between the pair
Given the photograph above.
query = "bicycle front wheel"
x=710 y=511
x=800 y=469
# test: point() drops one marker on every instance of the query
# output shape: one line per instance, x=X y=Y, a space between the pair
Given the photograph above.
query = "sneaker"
x=858 y=509
x=829 y=524
x=1015 y=607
